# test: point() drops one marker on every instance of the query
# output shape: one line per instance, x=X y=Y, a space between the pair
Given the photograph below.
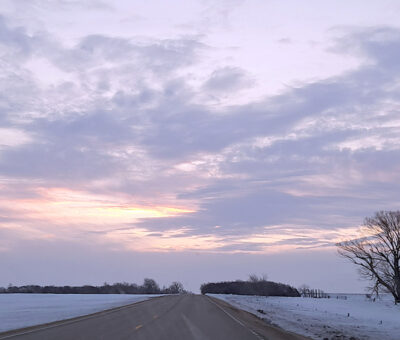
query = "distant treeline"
x=149 y=286
x=257 y=287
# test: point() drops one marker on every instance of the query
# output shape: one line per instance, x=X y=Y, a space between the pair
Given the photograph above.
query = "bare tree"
x=377 y=252
x=176 y=288
x=303 y=289
x=150 y=286
x=256 y=278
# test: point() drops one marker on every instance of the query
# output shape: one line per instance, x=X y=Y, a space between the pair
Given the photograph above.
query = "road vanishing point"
x=173 y=317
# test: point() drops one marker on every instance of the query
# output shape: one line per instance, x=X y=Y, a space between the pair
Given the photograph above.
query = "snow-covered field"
x=326 y=318
x=23 y=310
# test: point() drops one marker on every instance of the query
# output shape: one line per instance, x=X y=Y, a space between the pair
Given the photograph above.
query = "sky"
x=194 y=140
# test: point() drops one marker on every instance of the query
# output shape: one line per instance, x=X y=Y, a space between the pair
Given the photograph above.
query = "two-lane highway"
x=179 y=317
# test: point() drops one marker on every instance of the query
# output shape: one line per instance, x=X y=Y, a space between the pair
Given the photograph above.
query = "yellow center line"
x=138 y=327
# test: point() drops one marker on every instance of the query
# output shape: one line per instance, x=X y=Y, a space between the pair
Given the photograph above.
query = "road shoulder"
x=24 y=330
x=255 y=324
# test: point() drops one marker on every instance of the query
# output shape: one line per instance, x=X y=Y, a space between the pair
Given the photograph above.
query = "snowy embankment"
x=355 y=317
x=24 y=310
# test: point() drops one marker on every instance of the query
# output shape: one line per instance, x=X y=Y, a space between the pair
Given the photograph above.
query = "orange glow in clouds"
x=61 y=206
x=63 y=213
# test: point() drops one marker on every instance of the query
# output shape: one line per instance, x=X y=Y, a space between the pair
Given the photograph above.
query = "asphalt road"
x=179 y=317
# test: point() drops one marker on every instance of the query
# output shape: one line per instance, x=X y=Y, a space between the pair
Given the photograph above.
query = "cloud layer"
x=126 y=143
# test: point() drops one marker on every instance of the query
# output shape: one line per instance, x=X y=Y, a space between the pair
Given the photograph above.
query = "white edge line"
x=237 y=320
x=80 y=318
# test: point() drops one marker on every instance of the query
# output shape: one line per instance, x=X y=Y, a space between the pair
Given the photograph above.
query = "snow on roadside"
x=24 y=310
x=326 y=318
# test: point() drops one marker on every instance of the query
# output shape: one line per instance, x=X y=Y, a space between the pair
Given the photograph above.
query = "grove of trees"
x=254 y=286
x=376 y=252
x=149 y=286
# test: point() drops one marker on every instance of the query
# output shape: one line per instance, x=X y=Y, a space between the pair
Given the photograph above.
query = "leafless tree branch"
x=377 y=252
